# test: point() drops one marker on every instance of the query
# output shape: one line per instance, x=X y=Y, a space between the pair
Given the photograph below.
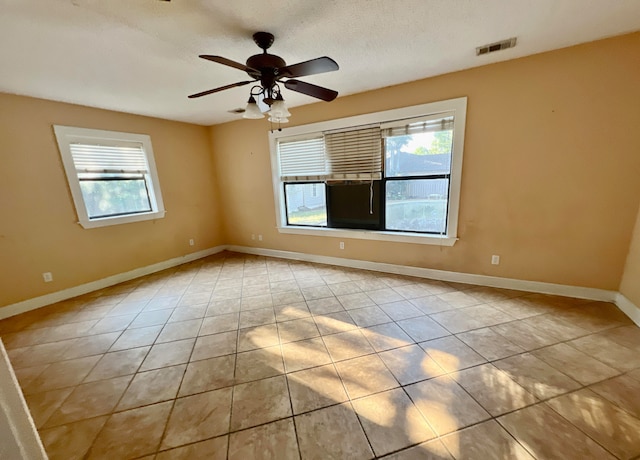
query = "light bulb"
x=280 y=120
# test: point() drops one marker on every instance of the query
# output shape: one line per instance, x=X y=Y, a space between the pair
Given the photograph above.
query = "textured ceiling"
x=140 y=56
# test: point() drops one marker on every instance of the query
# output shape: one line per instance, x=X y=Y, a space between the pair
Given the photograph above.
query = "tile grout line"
x=233 y=387
x=293 y=414
x=175 y=399
x=546 y=403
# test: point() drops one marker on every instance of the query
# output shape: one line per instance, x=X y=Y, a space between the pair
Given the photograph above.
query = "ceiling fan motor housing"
x=267 y=66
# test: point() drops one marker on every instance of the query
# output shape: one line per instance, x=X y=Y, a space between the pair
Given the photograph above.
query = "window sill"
x=397 y=237
x=107 y=221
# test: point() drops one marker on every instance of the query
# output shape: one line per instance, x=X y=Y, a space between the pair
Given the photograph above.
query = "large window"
x=111 y=176
x=392 y=175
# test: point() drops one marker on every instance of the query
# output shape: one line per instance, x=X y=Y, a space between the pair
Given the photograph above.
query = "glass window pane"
x=417 y=205
x=306 y=204
x=114 y=197
x=418 y=154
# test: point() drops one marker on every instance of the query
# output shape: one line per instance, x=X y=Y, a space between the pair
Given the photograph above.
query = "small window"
x=306 y=204
x=111 y=175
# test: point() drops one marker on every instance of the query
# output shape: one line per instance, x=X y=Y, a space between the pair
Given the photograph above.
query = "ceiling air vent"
x=497 y=46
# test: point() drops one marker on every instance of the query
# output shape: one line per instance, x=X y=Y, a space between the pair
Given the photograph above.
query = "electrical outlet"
x=341 y=244
x=259 y=237
x=191 y=242
x=47 y=277
x=495 y=260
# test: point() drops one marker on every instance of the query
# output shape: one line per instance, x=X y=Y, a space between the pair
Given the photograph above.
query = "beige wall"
x=630 y=285
x=550 y=174
x=549 y=180
x=38 y=229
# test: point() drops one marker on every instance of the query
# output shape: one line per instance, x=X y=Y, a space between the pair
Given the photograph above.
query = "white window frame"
x=457 y=105
x=66 y=135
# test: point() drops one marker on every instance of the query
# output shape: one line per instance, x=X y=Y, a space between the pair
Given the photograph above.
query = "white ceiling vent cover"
x=497 y=46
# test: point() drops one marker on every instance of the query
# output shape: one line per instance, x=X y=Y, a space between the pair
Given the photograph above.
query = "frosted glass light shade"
x=252 y=110
x=279 y=109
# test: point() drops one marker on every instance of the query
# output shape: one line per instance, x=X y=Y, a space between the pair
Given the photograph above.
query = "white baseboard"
x=442 y=275
x=48 y=299
x=481 y=280
x=628 y=308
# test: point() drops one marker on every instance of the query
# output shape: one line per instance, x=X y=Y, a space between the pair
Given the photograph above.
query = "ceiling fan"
x=269 y=70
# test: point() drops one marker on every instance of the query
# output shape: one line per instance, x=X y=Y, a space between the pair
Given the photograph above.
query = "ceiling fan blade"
x=222 y=88
x=229 y=62
x=312 y=67
x=311 y=90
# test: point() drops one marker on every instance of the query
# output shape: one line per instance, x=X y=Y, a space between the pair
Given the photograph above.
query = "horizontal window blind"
x=302 y=160
x=354 y=154
x=349 y=154
x=427 y=125
x=92 y=158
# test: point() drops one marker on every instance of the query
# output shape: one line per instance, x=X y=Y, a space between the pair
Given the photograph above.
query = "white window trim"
x=66 y=135
x=458 y=106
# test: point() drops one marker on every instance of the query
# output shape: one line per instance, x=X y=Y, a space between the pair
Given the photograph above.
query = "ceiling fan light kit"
x=268 y=70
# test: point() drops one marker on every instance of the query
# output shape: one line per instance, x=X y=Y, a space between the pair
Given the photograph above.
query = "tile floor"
x=242 y=357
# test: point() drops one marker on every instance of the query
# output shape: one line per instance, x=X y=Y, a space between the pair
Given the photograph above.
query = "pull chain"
x=371 y=198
